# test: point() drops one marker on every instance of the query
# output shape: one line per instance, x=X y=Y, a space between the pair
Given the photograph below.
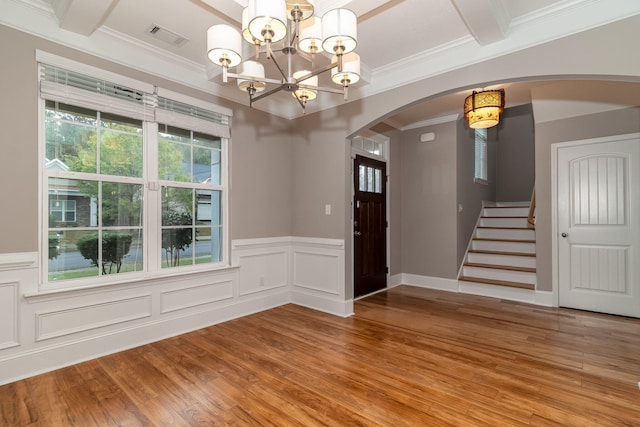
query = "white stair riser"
x=505 y=275
x=505 y=233
x=505 y=211
x=503 y=222
x=510 y=261
x=528 y=248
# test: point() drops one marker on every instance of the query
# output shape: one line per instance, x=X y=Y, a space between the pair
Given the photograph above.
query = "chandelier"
x=287 y=28
x=482 y=109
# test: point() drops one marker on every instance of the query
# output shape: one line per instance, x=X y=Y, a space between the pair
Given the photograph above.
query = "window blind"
x=180 y=114
x=70 y=87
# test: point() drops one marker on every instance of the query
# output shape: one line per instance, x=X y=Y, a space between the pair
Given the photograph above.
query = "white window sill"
x=480 y=181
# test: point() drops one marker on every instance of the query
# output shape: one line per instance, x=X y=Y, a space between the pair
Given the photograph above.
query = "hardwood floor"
x=409 y=357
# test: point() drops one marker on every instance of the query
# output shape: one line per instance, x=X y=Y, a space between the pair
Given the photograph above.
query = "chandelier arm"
x=253 y=78
x=318 y=71
x=322 y=89
x=293 y=33
x=267 y=93
x=284 y=76
x=304 y=110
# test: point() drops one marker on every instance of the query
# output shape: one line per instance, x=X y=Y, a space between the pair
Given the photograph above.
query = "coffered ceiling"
x=399 y=41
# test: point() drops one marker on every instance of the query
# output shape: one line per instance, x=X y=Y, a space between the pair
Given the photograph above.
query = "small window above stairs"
x=502 y=251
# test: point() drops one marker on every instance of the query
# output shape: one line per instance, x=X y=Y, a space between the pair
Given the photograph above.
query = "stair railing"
x=531 y=218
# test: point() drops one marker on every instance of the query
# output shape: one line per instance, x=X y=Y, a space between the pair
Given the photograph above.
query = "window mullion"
x=152 y=202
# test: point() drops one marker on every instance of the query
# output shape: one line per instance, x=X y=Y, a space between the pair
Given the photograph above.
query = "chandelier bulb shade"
x=252 y=69
x=350 y=73
x=224 y=45
x=246 y=34
x=339 y=31
x=311 y=35
x=482 y=109
x=307 y=88
x=267 y=20
x=302 y=8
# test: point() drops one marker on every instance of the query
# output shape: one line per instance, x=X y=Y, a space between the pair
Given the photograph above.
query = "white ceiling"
x=399 y=41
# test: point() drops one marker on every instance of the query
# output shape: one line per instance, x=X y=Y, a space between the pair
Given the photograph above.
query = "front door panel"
x=370 y=226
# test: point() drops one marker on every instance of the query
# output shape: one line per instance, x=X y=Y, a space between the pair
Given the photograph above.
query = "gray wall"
x=428 y=202
x=261 y=164
x=515 y=161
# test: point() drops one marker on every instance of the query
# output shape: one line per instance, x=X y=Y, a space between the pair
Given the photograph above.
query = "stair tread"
x=497 y=282
x=500 y=267
x=503 y=240
x=507 y=207
x=503 y=217
x=484 y=227
x=478 y=251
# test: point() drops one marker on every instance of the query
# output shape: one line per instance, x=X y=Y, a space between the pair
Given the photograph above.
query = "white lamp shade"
x=306 y=93
x=350 y=73
x=224 y=45
x=245 y=28
x=339 y=31
x=267 y=15
x=305 y=6
x=251 y=69
x=311 y=35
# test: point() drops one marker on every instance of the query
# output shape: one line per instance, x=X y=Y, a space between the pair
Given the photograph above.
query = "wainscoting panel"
x=9 y=296
x=263 y=271
x=318 y=279
x=187 y=297
x=90 y=317
x=317 y=271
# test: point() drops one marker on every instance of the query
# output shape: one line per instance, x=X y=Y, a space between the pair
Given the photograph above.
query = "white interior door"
x=598 y=224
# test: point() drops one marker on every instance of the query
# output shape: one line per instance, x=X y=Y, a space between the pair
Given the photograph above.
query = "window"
x=368 y=145
x=370 y=179
x=134 y=180
x=61 y=210
x=190 y=176
x=480 y=174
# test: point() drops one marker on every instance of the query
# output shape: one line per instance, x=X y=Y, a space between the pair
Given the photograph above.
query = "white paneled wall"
x=312 y=269
x=41 y=331
x=318 y=275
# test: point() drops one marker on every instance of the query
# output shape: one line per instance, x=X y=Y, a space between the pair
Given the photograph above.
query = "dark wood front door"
x=369 y=226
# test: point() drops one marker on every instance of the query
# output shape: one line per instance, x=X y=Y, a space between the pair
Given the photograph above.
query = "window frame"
x=480 y=171
x=151 y=214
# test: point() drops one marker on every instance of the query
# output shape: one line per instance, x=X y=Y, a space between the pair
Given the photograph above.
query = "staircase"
x=502 y=251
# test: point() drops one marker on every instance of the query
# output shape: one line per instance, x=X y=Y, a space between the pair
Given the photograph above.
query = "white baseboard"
x=336 y=307
x=32 y=362
x=542 y=298
x=430 y=282
x=546 y=298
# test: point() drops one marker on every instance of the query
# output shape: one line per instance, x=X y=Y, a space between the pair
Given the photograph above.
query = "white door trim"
x=555 y=278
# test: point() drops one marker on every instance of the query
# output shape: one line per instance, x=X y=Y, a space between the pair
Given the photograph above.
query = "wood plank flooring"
x=409 y=357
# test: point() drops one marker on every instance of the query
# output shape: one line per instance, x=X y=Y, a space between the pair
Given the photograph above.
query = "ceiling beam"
x=487 y=20
x=82 y=16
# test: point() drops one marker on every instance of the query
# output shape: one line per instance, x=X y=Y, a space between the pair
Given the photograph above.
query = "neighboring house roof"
x=56 y=164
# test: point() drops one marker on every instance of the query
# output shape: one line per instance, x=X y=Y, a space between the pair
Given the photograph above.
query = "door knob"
x=357 y=233
x=564 y=234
